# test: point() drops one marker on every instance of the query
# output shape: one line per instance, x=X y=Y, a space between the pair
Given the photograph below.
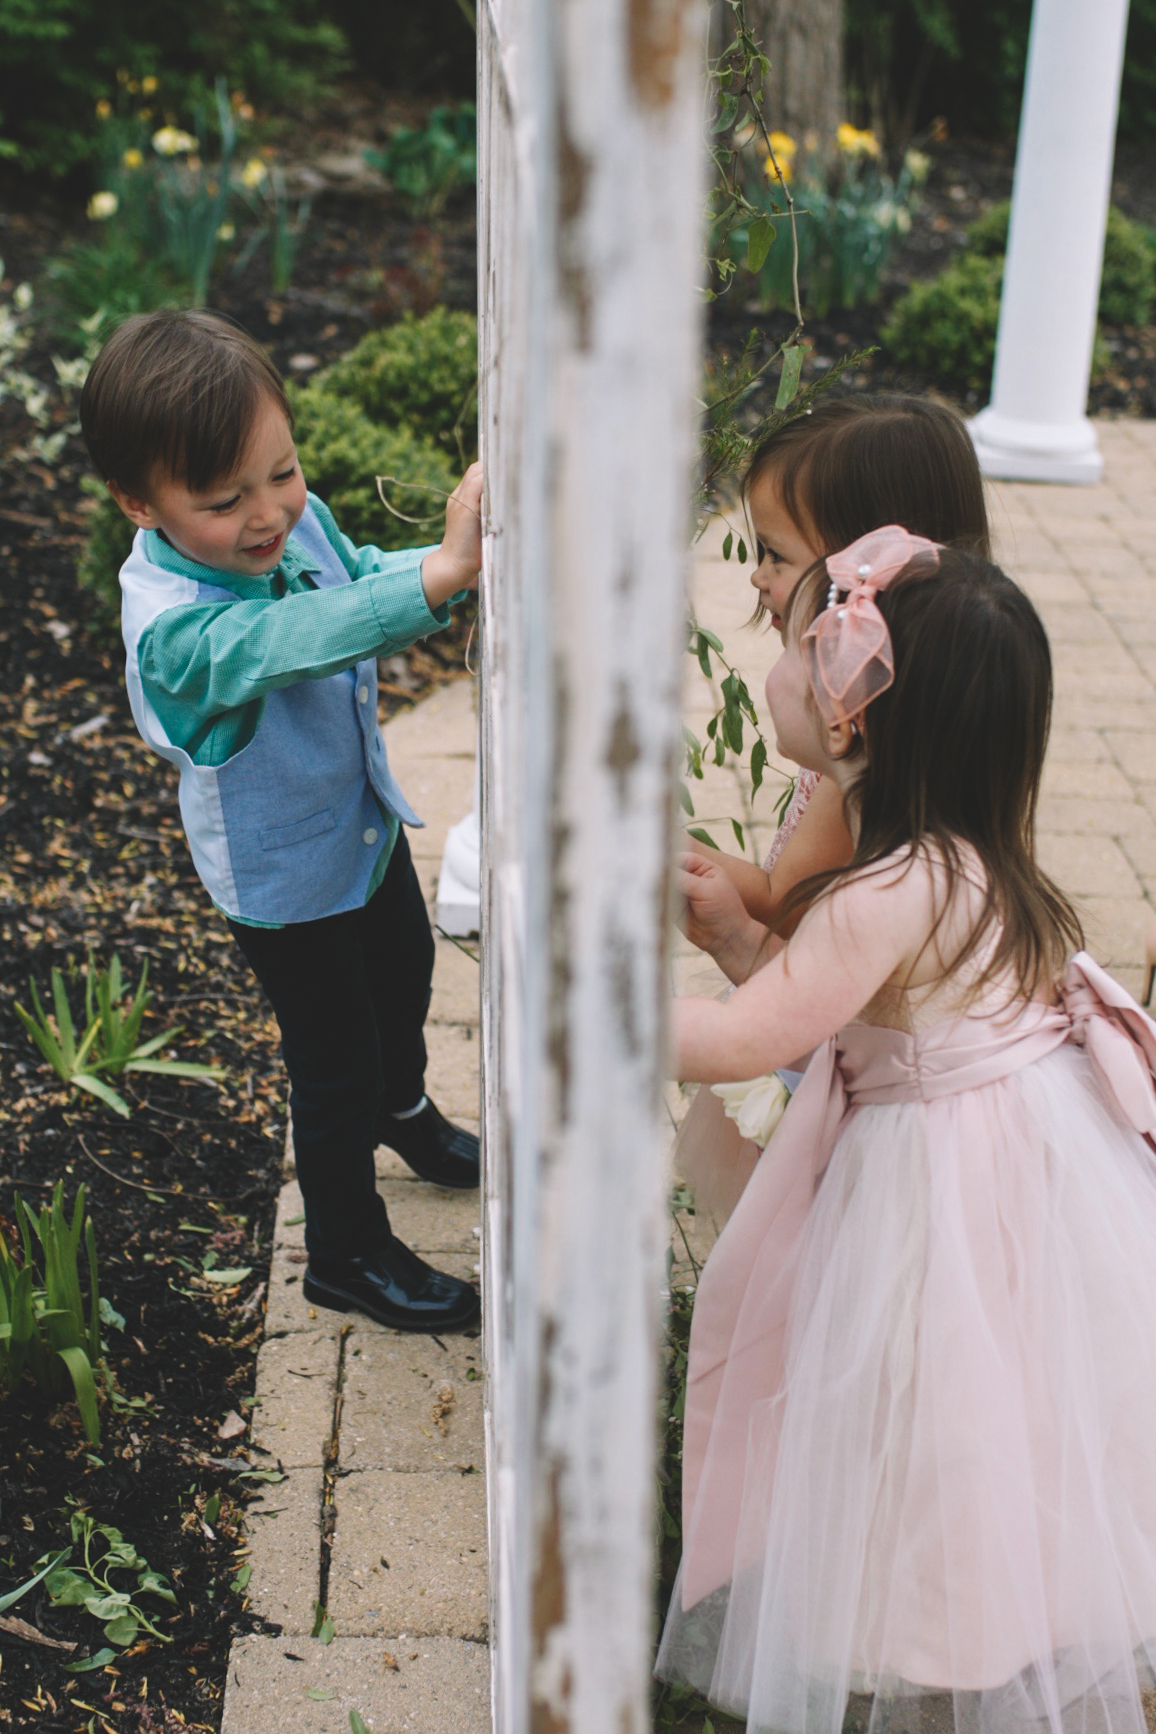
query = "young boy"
x=252 y=627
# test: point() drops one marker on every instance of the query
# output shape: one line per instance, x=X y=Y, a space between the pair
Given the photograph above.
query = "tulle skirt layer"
x=949 y=1506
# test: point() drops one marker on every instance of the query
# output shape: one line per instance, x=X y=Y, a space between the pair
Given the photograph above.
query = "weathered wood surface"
x=589 y=129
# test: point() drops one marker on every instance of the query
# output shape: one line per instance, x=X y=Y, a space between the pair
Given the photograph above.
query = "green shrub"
x=946 y=328
x=420 y=372
x=1128 y=280
x=342 y=451
x=106 y=548
x=425 y=164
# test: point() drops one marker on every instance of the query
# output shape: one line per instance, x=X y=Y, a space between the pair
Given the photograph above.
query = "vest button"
x=369 y=835
x=362 y=694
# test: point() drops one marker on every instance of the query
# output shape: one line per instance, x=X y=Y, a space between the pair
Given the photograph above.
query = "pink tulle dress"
x=710 y=1154
x=920 y=1446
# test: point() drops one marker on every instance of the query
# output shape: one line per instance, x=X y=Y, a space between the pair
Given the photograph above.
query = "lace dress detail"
x=805 y=785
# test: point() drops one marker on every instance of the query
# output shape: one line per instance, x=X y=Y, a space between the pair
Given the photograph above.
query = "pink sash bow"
x=744 y=1297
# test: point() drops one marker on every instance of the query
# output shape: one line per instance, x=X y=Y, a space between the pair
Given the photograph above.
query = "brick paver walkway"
x=354 y=1413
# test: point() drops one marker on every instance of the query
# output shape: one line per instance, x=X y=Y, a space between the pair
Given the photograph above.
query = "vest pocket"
x=282 y=836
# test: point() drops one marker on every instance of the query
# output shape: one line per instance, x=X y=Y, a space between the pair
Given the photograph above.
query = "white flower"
x=101 y=206
x=756 y=1107
x=22 y=297
x=917 y=164
x=170 y=141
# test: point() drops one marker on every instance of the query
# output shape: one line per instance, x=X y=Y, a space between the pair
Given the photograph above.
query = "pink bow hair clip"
x=847 y=649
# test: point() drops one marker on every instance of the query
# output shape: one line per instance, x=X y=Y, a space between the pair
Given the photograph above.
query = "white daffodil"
x=756 y=1106
x=101 y=206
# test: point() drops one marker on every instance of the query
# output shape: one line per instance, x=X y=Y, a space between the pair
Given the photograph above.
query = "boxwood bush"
x=422 y=373
x=946 y=328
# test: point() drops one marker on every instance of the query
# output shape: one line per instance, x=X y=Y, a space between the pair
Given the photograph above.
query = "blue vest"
x=288 y=829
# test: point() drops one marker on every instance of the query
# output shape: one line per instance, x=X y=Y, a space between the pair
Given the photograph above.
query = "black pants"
x=351 y=994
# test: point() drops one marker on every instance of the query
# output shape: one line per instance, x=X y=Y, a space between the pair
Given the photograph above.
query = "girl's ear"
x=845 y=738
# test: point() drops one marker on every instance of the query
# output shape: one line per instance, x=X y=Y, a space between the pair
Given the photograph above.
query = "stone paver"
x=409 y=1472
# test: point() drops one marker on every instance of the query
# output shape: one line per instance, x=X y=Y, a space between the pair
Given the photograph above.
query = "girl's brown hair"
x=854 y=463
x=953 y=753
x=175 y=392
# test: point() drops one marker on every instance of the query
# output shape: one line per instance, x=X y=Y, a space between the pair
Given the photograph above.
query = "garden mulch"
x=92 y=859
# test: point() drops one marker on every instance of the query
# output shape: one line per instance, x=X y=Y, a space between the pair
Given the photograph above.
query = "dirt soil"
x=92 y=858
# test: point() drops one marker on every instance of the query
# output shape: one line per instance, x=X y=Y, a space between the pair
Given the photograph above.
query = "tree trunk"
x=803 y=40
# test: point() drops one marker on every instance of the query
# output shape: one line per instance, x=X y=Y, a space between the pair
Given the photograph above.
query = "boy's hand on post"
x=455 y=565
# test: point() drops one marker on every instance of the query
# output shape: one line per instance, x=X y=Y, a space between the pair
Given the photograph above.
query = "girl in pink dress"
x=920 y=1446
x=812 y=487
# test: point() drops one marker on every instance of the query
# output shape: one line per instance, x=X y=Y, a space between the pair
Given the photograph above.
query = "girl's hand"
x=715 y=918
x=455 y=565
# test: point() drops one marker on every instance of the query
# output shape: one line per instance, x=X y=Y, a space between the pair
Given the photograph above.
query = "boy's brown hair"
x=176 y=392
x=856 y=462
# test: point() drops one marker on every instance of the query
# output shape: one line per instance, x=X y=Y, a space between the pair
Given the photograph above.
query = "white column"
x=458 y=909
x=590 y=257
x=1036 y=427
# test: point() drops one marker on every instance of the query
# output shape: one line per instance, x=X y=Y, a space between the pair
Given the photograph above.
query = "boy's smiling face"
x=241 y=524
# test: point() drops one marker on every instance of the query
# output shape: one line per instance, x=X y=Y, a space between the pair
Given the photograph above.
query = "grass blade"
x=178 y=1069
x=64 y=1022
x=13 y=1596
x=156 y=1042
x=95 y=1087
x=93 y=1292
x=43 y=1037
x=84 y=1385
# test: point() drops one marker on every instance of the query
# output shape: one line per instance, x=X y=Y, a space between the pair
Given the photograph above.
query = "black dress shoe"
x=395 y=1287
x=435 y=1150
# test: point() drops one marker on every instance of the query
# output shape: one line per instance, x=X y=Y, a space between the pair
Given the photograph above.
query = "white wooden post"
x=1035 y=428
x=590 y=152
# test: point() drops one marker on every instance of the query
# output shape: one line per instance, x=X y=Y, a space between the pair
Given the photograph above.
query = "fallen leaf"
x=390 y=1662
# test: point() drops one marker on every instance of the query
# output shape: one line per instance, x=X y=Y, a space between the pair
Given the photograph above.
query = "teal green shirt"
x=206 y=666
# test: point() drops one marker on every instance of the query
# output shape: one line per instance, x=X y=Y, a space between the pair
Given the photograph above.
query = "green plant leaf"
x=228 y=1278
x=758 y=764
x=109 y=1606
x=241 y=1580
x=212 y=1507
x=155 y=1043
x=684 y=799
x=13 y=1596
x=701 y=836
x=789 y=377
x=153 y=1583
x=109 y=1315
x=122 y=1630
x=104 y=1093
x=84 y=1385
x=177 y=1069
x=728 y=544
x=760 y=238
x=712 y=639
x=319 y=1694
x=68 y=1589
x=323 y=1627
x=356 y=1725
x=739 y=838
x=87 y=1663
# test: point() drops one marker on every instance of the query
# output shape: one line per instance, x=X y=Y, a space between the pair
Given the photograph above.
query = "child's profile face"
x=242 y=523
x=800 y=733
x=784 y=547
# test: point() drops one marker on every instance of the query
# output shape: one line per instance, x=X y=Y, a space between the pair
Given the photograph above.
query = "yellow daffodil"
x=170 y=141
x=148 y=84
x=253 y=173
x=855 y=143
x=132 y=158
x=101 y=206
x=226 y=232
x=103 y=108
x=785 y=149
